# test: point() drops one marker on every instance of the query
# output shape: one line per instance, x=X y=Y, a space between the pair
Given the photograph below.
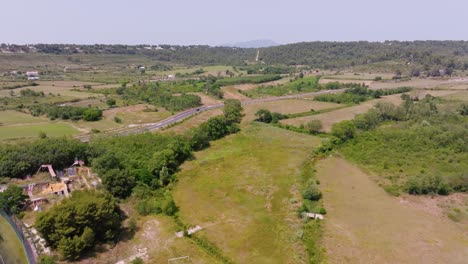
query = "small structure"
x=171 y=76
x=49 y=168
x=314 y=216
x=32 y=75
x=189 y=231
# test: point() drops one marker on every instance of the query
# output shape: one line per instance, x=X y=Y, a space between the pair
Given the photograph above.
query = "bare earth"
x=366 y=225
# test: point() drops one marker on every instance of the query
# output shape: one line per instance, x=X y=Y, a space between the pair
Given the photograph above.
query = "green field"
x=300 y=85
x=240 y=191
x=33 y=130
x=11 y=249
x=14 y=118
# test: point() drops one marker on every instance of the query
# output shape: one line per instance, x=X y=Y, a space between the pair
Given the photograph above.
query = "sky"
x=215 y=22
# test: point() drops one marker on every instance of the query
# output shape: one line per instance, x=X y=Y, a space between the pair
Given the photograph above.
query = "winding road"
x=194 y=111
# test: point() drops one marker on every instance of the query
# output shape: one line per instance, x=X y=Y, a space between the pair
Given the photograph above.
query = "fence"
x=18 y=226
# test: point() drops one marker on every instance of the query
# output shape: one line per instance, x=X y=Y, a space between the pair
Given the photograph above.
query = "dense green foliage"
x=429 y=55
x=66 y=112
x=12 y=200
x=123 y=161
x=160 y=95
x=413 y=130
x=19 y=160
x=79 y=222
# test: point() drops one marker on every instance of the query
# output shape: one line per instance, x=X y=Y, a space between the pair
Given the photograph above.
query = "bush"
x=313 y=126
x=427 y=184
x=92 y=114
x=311 y=191
x=264 y=115
x=344 y=130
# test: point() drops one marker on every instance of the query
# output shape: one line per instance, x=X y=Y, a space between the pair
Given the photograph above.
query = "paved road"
x=194 y=111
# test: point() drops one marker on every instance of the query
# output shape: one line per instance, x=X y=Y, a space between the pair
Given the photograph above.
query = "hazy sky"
x=217 y=22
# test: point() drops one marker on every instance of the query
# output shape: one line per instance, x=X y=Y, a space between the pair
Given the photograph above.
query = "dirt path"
x=366 y=225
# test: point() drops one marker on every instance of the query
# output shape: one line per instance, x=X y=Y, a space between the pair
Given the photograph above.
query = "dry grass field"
x=366 y=225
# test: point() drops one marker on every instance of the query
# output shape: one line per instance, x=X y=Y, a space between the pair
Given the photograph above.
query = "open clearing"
x=366 y=225
x=11 y=249
x=33 y=130
x=14 y=117
x=330 y=118
x=239 y=191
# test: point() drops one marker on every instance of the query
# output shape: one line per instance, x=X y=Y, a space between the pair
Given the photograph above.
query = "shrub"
x=311 y=191
x=313 y=126
x=344 y=130
x=427 y=184
x=92 y=114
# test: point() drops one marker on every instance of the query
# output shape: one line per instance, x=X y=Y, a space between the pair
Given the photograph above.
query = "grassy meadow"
x=243 y=192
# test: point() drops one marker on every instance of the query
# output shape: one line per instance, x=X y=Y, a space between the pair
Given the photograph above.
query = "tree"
x=233 y=111
x=344 y=130
x=79 y=222
x=13 y=200
x=264 y=115
x=313 y=126
x=111 y=102
x=118 y=182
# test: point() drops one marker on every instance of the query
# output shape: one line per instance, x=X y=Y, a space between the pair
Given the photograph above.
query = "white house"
x=32 y=75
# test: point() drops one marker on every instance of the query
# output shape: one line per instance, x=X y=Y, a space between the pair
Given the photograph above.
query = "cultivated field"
x=240 y=190
x=366 y=225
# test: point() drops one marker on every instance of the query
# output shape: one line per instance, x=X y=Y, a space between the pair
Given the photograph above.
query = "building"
x=32 y=75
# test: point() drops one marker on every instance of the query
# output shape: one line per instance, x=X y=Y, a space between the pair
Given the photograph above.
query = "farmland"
x=381 y=174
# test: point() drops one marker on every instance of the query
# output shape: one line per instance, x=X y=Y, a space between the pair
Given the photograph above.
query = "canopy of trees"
x=66 y=112
x=12 y=200
x=79 y=222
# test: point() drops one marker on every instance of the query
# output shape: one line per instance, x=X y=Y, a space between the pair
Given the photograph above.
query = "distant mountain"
x=258 y=43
